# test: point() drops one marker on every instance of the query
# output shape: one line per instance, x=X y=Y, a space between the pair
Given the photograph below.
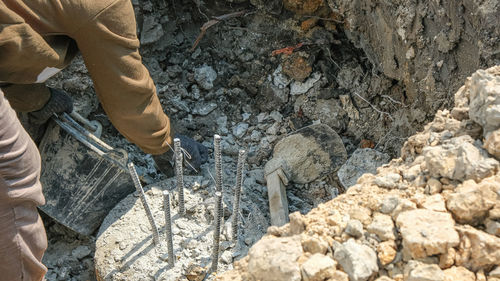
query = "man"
x=37 y=39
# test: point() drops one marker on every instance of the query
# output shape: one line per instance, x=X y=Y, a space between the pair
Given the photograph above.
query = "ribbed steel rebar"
x=179 y=174
x=218 y=163
x=168 y=228
x=217 y=225
x=237 y=193
x=138 y=187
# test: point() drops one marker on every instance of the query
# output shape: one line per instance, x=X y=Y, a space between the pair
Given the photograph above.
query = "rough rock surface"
x=363 y=160
x=445 y=216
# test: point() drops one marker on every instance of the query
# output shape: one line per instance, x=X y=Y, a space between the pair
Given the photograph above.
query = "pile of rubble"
x=433 y=214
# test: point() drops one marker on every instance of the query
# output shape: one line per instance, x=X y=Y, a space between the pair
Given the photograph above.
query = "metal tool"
x=138 y=187
x=237 y=193
x=83 y=177
x=217 y=225
x=179 y=174
x=168 y=228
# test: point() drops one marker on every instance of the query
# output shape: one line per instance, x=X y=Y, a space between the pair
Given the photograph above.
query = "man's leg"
x=22 y=235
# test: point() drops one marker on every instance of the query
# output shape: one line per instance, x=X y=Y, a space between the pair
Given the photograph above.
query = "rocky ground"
x=432 y=214
x=374 y=72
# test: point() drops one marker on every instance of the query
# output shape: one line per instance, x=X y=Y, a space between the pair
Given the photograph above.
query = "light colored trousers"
x=22 y=235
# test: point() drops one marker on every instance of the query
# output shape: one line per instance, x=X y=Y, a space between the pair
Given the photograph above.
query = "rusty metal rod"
x=179 y=174
x=237 y=193
x=217 y=225
x=168 y=228
x=218 y=163
x=138 y=187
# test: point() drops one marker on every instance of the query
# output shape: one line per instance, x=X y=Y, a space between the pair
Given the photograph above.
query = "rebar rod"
x=217 y=225
x=237 y=193
x=179 y=174
x=138 y=187
x=218 y=163
x=168 y=228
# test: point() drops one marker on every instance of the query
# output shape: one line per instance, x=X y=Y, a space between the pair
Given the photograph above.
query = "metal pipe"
x=168 y=228
x=237 y=193
x=217 y=224
x=138 y=187
x=179 y=174
x=218 y=163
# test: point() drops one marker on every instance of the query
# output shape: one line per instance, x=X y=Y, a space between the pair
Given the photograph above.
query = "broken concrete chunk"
x=426 y=233
x=459 y=159
x=389 y=180
x=354 y=228
x=484 y=105
x=363 y=160
x=477 y=249
x=314 y=245
x=424 y=272
x=275 y=259
x=459 y=273
x=386 y=252
x=471 y=202
x=492 y=144
x=358 y=261
x=205 y=76
x=383 y=226
x=318 y=268
x=298 y=88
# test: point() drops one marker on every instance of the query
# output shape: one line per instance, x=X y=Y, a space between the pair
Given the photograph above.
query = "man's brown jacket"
x=40 y=37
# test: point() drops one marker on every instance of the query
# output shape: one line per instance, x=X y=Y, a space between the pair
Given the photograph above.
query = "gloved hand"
x=198 y=153
x=59 y=102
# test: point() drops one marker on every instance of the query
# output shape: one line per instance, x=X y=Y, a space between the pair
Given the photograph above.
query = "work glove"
x=59 y=102
x=195 y=154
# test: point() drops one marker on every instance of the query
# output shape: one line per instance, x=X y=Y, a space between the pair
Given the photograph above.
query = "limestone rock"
x=435 y=203
x=384 y=278
x=471 y=202
x=484 y=105
x=493 y=227
x=297 y=224
x=459 y=273
x=389 y=180
x=458 y=158
x=492 y=144
x=434 y=186
x=448 y=259
x=275 y=259
x=358 y=261
x=424 y=272
x=354 y=228
x=386 y=252
x=495 y=272
x=426 y=233
x=383 y=226
x=339 y=276
x=318 y=268
x=477 y=249
x=363 y=160
x=314 y=245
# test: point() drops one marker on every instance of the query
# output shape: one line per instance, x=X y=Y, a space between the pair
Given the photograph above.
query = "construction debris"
x=435 y=237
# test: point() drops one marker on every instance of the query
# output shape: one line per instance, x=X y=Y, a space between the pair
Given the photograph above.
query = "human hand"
x=59 y=102
x=196 y=154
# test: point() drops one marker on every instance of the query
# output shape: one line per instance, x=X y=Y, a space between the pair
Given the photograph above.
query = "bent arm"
x=109 y=47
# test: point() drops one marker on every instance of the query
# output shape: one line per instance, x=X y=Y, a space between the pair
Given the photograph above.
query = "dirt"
x=374 y=72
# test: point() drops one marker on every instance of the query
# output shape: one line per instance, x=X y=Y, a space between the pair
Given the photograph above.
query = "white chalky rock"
x=358 y=261
x=426 y=233
x=298 y=88
x=484 y=106
x=318 y=268
x=383 y=226
x=275 y=259
x=424 y=272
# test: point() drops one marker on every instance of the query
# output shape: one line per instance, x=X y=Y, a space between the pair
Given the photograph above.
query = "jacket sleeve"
x=109 y=47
